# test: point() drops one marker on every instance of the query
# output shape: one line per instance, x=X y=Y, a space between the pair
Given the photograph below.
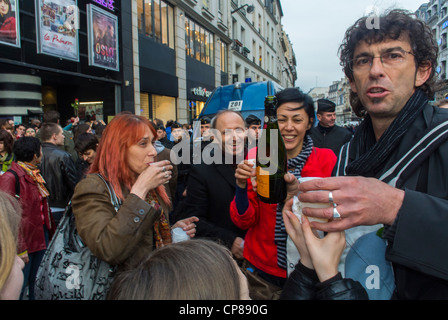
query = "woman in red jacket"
x=37 y=224
x=7 y=22
x=266 y=238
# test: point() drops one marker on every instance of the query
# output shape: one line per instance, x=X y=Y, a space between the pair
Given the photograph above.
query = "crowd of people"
x=241 y=247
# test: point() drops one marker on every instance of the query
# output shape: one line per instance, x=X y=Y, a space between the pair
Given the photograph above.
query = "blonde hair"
x=10 y=216
x=189 y=270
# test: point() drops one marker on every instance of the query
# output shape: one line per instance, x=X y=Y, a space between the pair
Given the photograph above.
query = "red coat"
x=8 y=30
x=259 y=218
x=35 y=210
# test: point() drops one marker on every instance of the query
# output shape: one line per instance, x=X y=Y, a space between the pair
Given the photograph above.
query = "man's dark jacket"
x=210 y=190
x=417 y=241
x=60 y=174
x=331 y=138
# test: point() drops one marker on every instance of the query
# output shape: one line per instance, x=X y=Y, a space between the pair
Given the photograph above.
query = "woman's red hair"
x=124 y=131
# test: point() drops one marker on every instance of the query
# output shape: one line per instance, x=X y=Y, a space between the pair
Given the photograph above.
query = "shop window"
x=164 y=108
x=199 y=43
x=160 y=107
x=156 y=20
x=144 y=106
x=224 y=61
x=195 y=108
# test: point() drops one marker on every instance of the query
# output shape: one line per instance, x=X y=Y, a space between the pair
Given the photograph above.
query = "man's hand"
x=359 y=200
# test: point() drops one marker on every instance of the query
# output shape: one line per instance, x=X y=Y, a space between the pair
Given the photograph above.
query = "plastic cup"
x=254 y=165
x=179 y=235
x=298 y=206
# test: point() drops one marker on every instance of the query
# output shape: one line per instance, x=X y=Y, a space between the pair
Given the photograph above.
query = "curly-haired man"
x=392 y=74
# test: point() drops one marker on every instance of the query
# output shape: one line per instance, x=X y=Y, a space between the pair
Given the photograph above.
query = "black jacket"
x=59 y=171
x=210 y=190
x=417 y=239
x=303 y=284
x=331 y=138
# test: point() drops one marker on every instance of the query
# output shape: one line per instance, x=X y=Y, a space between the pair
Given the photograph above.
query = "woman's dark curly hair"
x=392 y=25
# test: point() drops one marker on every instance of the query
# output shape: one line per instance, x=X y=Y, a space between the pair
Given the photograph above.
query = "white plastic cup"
x=254 y=165
x=298 y=206
x=179 y=235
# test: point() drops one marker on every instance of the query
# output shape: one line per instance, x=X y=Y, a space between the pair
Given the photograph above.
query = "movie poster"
x=9 y=23
x=57 y=28
x=103 y=38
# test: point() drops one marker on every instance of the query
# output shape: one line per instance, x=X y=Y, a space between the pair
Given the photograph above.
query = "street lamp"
x=250 y=8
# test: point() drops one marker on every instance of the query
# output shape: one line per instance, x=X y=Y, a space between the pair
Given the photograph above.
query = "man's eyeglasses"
x=389 y=59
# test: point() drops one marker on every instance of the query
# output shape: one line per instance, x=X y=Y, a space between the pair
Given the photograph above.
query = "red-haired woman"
x=126 y=159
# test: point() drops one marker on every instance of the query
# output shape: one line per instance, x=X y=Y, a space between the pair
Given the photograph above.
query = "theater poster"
x=102 y=28
x=57 y=23
x=9 y=23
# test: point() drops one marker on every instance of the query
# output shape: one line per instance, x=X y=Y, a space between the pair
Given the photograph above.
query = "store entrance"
x=89 y=100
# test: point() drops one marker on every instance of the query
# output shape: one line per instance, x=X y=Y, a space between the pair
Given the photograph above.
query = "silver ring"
x=330 y=197
x=167 y=175
x=336 y=214
x=163 y=169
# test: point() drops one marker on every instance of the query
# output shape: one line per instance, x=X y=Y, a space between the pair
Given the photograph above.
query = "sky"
x=316 y=29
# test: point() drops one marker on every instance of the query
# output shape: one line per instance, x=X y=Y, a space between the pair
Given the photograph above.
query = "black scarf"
x=370 y=155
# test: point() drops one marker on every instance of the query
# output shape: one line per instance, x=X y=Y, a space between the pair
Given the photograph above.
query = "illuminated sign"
x=202 y=92
x=109 y=4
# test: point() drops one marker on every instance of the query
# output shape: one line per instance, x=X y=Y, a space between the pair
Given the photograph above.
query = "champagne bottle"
x=272 y=163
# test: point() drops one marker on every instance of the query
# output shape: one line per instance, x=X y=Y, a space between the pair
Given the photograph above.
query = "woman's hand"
x=295 y=232
x=244 y=171
x=292 y=186
x=188 y=225
x=326 y=252
x=156 y=174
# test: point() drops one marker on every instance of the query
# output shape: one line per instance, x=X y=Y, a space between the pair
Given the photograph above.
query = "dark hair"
x=393 y=24
x=7 y=139
x=48 y=129
x=8 y=2
x=4 y=124
x=297 y=95
x=80 y=129
x=86 y=141
x=51 y=116
x=25 y=148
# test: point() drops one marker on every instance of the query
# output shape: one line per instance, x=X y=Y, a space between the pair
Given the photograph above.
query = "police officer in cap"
x=327 y=134
x=205 y=124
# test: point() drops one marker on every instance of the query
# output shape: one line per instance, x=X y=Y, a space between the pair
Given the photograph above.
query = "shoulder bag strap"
x=114 y=200
x=17 y=182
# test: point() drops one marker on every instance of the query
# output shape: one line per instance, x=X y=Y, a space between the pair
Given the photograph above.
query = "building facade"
x=435 y=14
x=48 y=64
x=170 y=55
x=208 y=43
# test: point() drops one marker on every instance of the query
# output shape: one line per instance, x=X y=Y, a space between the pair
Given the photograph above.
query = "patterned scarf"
x=34 y=173
x=162 y=230
x=295 y=166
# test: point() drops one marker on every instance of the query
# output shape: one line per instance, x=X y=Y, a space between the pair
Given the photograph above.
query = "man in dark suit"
x=211 y=187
